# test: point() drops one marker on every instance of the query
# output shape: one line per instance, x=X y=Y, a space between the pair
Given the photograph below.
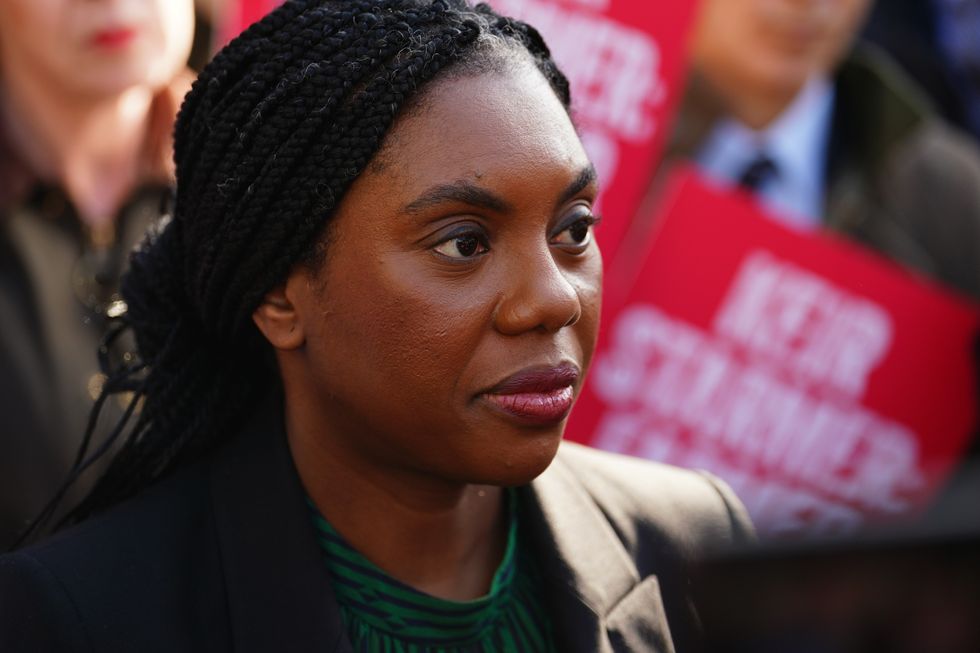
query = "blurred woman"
x=361 y=335
x=88 y=93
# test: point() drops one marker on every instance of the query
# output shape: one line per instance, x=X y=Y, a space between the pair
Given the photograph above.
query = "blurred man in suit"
x=829 y=135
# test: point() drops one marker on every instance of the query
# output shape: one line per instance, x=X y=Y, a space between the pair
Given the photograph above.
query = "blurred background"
x=792 y=242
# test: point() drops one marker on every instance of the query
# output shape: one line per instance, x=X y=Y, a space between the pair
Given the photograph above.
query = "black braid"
x=267 y=142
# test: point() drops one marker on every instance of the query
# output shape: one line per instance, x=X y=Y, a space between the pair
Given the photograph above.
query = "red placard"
x=827 y=385
x=626 y=61
x=236 y=15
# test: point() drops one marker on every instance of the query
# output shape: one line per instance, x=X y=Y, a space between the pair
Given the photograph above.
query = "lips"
x=536 y=395
x=116 y=37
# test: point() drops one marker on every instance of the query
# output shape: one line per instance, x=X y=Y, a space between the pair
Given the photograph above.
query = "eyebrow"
x=587 y=176
x=458 y=191
x=467 y=192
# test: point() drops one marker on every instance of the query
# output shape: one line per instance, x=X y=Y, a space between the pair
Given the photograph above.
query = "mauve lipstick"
x=537 y=395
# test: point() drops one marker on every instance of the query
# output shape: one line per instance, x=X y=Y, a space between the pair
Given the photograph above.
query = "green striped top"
x=384 y=615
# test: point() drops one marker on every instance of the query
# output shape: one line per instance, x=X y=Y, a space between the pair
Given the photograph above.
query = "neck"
x=754 y=108
x=445 y=539
x=91 y=146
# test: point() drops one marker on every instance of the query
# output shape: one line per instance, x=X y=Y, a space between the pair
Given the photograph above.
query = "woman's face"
x=96 y=47
x=774 y=45
x=456 y=311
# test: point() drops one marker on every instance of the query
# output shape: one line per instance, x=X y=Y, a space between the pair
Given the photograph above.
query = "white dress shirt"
x=796 y=142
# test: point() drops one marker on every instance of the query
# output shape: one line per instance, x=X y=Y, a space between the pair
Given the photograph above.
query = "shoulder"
x=935 y=171
x=937 y=153
x=36 y=613
x=118 y=581
x=906 y=182
x=897 y=127
x=693 y=510
x=930 y=194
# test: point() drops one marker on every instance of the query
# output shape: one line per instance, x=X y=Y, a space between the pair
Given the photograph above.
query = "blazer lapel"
x=278 y=588
x=597 y=601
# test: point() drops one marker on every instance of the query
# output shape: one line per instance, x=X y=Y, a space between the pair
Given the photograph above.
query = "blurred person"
x=365 y=326
x=88 y=93
x=908 y=31
x=829 y=135
x=958 y=35
x=937 y=42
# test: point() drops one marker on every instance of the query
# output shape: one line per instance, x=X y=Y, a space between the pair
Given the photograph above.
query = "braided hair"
x=267 y=142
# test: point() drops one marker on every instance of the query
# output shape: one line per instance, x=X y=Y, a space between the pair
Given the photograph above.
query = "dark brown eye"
x=578 y=234
x=579 y=231
x=462 y=246
x=467 y=245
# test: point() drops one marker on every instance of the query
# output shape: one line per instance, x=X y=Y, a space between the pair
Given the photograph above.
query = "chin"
x=114 y=78
x=520 y=466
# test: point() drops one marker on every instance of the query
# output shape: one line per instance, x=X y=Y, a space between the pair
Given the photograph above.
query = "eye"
x=463 y=245
x=576 y=233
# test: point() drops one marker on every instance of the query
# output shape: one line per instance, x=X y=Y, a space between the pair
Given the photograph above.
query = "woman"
x=367 y=320
x=88 y=95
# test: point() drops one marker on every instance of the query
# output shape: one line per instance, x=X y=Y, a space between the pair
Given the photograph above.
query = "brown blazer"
x=223 y=557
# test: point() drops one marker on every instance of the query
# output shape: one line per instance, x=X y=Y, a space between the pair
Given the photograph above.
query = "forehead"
x=480 y=124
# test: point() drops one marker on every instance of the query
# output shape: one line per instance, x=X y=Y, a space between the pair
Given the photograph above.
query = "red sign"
x=827 y=385
x=625 y=60
x=236 y=15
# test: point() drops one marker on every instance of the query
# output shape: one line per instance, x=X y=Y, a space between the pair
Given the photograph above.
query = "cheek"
x=19 y=16
x=397 y=328
x=588 y=285
x=842 y=29
x=172 y=30
x=724 y=42
x=35 y=31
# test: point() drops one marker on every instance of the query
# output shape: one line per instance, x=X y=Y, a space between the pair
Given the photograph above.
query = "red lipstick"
x=113 y=38
x=537 y=395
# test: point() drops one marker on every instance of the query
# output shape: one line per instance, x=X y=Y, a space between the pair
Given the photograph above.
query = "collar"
x=279 y=592
x=796 y=142
x=598 y=601
x=278 y=589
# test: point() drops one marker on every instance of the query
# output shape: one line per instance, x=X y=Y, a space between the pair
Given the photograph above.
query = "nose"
x=538 y=297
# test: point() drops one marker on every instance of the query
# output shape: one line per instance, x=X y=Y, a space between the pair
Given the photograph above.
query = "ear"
x=277 y=316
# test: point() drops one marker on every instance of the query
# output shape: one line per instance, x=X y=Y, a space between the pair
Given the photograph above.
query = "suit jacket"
x=222 y=556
